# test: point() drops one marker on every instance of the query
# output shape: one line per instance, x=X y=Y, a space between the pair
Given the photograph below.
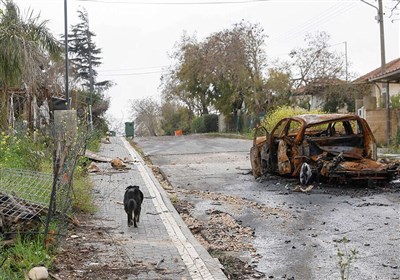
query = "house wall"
x=377 y=121
x=376 y=89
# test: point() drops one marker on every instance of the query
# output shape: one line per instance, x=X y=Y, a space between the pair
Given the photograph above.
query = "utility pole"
x=90 y=78
x=382 y=37
x=345 y=54
x=385 y=86
x=66 y=54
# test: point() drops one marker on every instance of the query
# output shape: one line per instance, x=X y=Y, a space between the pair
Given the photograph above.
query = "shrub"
x=211 y=123
x=198 y=125
x=175 y=117
x=395 y=101
x=27 y=151
x=273 y=117
x=94 y=140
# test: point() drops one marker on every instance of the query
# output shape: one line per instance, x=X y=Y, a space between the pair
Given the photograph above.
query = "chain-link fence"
x=38 y=202
x=24 y=198
x=69 y=145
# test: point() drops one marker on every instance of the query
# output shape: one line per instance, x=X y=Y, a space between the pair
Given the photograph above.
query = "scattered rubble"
x=93 y=168
x=38 y=273
x=18 y=215
x=222 y=235
x=298 y=188
x=240 y=203
x=118 y=164
x=225 y=238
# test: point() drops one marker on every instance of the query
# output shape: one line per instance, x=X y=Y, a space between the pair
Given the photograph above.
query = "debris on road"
x=95 y=157
x=118 y=164
x=93 y=168
x=300 y=189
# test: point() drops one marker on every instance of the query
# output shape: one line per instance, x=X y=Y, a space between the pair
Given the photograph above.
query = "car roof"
x=311 y=119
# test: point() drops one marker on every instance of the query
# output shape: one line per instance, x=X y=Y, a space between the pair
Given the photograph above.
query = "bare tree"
x=317 y=70
x=394 y=10
x=316 y=63
x=146 y=114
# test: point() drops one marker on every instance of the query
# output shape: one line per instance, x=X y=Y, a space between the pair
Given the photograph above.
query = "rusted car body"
x=336 y=146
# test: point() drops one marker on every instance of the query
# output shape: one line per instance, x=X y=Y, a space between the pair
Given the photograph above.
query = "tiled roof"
x=390 y=67
x=315 y=86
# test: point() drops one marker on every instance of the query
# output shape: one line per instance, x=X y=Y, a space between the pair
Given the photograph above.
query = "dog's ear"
x=129 y=187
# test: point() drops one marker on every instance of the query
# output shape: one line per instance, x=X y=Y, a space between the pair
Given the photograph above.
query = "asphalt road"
x=300 y=236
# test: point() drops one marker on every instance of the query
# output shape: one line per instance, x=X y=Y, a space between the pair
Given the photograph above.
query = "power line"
x=174 y=3
x=133 y=74
x=133 y=69
x=321 y=19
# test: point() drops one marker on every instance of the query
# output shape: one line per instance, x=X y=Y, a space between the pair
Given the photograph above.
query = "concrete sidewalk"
x=161 y=239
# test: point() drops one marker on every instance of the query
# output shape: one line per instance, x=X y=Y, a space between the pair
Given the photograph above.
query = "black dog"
x=133 y=199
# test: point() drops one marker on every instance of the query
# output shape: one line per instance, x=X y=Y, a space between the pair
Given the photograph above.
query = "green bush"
x=273 y=117
x=28 y=151
x=175 y=117
x=198 y=125
x=94 y=140
x=211 y=122
x=395 y=101
x=82 y=197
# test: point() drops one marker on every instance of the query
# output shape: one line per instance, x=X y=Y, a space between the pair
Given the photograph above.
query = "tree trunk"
x=12 y=114
x=30 y=115
x=34 y=109
x=3 y=108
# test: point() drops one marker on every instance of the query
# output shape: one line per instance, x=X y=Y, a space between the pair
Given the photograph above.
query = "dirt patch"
x=239 y=203
x=223 y=237
x=91 y=253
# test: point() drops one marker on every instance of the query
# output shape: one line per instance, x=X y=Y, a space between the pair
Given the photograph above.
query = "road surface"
x=295 y=235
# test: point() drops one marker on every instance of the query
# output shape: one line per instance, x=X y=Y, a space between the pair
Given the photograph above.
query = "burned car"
x=333 y=146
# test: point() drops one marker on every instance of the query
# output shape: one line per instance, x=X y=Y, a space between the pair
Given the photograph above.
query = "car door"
x=287 y=149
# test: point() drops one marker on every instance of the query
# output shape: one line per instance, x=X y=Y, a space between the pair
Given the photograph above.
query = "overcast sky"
x=136 y=35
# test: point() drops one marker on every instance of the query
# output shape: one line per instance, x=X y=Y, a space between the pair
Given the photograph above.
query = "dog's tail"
x=131 y=204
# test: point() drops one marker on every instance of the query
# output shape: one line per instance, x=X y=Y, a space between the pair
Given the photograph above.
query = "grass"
x=23 y=152
x=229 y=135
x=82 y=194
x=25 y=254
x=28 y=252
x=174 y=198
x=346 y=258
x=94 y=141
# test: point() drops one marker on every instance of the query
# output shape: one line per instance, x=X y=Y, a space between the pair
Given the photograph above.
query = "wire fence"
x=69 y=144
x=24 y=198
x=39 y=202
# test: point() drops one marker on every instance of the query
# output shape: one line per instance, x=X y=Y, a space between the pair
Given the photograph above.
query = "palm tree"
x=26 y=46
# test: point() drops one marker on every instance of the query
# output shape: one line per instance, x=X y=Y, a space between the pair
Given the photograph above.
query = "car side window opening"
x=317 y=130
x=293 y=129
x=279 y=129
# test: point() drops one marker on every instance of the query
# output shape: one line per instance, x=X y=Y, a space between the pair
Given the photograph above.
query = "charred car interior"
x=336 y=147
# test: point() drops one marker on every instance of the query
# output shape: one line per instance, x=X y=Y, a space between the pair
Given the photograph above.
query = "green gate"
x=129 y=129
